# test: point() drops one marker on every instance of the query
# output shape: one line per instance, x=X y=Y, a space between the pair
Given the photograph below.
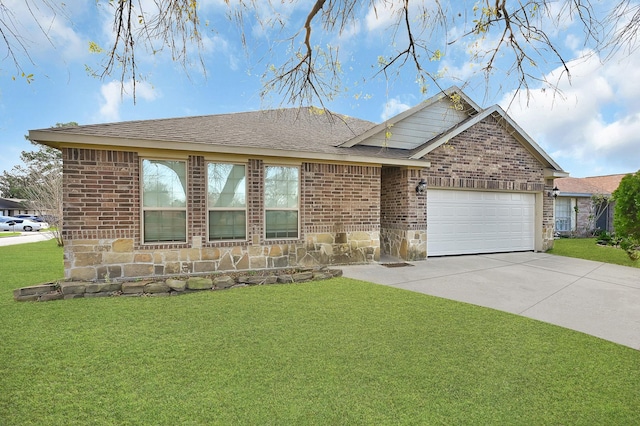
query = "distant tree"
x=39 y=181
x=626 y=218
x=12 y=185
x=36 y=168
x=509 y=37
x=46 y=199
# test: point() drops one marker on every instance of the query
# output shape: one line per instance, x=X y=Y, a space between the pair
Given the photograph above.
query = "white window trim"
x=245 y=209
x=144 y=209
x=296 y=209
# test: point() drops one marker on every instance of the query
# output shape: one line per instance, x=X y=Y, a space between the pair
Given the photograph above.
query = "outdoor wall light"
x=554 y=192
x=422 y=186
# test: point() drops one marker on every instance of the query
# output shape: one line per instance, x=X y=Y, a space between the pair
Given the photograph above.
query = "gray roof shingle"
x=295 y=129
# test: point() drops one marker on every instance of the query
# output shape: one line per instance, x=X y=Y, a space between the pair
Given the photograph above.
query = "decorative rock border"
x=167 y=287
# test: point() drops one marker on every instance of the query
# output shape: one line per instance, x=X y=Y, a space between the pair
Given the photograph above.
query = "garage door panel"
x=467 y=222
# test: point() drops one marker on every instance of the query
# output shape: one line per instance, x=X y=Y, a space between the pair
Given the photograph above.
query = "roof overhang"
x=62 y=140
x=575 y=194
x=555 y=174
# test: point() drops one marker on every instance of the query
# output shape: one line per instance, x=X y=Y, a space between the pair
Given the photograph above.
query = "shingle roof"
x=607 y=183
x=589 y=185
x=10 y=204
x=283 y=128
x=299 y=129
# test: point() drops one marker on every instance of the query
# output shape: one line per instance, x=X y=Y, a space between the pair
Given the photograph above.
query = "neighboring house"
x=299 y=187
x=10 y=207
x=577 y=211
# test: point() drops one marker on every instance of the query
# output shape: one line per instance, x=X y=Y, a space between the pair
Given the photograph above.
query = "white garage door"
x=468 y=222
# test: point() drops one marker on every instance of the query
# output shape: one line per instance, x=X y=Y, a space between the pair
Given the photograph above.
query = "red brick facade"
x=339 y=198
x=403 y=214
x=100 y=194
x=347 y=213
x=485 y=156
x=338 y=213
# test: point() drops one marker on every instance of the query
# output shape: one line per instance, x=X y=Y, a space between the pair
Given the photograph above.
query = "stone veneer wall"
x=339 y=220
x=403 y=214
x=487 y=157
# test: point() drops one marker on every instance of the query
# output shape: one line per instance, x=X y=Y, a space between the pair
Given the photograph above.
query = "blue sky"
x=590 y=129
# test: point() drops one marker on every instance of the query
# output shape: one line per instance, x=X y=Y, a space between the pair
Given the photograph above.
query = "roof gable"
x=505 y=121
x=421 y=123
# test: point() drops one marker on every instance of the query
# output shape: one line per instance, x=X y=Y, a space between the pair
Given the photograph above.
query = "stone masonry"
x=338 y=215
x=167 y=287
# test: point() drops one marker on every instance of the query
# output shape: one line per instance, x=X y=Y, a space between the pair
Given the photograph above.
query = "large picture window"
x=164 y=201
x=281 y=200
x=227 y=201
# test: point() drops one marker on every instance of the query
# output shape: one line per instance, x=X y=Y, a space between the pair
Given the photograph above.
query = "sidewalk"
x=26 y=237
x=592 y=297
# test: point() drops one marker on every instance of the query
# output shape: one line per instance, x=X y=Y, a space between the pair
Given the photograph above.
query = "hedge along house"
x=299 y=187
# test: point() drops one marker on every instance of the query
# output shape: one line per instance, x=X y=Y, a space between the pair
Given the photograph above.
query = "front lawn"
x=330 y=352
x=4 y=234
x=586 y=248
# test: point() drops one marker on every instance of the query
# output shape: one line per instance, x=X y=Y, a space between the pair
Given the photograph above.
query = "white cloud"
x=382 y=15
x=114 y=94
x=393 y=107
x=591 y=127
x=46 y=29
x=219 y=45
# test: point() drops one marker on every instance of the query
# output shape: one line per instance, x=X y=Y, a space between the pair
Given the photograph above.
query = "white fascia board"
x=554 y=174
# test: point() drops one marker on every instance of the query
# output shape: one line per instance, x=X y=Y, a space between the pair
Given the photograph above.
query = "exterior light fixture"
x=554 y=192
x=422 y=186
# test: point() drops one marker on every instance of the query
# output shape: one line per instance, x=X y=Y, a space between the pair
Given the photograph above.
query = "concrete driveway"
x=592 y=297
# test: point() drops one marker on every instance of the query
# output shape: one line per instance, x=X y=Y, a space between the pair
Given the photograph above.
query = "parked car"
x=31 y=217
x=43 y=222
x=8 y=223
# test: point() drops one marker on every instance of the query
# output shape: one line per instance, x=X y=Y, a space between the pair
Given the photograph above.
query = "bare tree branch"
x=514 y=37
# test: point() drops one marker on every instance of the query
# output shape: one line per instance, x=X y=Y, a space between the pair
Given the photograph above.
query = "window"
x=281 y=199
x=563 y=214
x=227 y=201
x=164 y=201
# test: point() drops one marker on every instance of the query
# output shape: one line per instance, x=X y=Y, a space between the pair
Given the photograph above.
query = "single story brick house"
x=576 y=210
x=299 y=187
x=9 y=207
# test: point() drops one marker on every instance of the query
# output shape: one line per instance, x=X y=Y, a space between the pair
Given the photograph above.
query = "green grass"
x=4 y=234
x=331 y=352
x=586 y=248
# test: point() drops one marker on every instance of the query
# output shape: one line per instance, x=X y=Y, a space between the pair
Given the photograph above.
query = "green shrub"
x=631 y=246
x=626 y=218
